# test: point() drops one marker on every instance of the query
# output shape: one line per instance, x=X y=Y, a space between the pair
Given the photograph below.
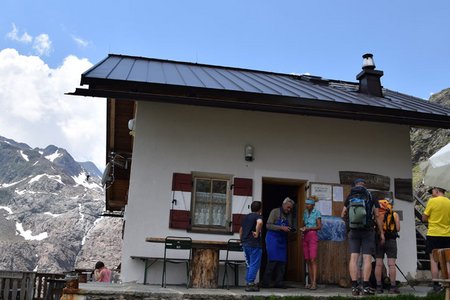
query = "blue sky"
x=55 y=41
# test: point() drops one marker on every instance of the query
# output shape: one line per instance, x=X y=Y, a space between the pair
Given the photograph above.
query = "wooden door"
x=295 y=267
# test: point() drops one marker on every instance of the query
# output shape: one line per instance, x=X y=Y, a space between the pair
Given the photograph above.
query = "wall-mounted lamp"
x=248 y=152
x=132 y=126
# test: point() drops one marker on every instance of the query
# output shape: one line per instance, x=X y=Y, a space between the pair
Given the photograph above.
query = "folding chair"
x=177 y=243
x=233 y=245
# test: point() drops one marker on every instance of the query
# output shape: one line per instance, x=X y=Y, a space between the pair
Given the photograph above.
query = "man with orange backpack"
x=391 y=227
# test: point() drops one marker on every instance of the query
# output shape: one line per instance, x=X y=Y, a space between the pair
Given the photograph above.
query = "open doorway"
x=274 y=191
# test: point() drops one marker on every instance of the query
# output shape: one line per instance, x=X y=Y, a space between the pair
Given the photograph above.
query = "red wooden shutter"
x=182 y=182
x=237 y=221
x=180 y=219
x=241 y=187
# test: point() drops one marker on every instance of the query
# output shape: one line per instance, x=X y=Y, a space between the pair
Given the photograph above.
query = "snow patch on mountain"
x=54 y=156
x=7 y=209
x=28 y=235
x=83 y=180
x=54 y=177
x=5 y=185
x=24 y=155
x=52 y=214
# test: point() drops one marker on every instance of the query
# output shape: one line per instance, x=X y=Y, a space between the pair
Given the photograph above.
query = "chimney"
x=369 y=78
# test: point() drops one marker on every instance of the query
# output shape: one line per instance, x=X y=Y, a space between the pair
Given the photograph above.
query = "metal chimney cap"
x=368 y=62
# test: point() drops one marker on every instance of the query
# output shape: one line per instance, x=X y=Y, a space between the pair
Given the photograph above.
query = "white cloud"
x=80 y=42
x=14 y=35
x=42 y=44
x=36 y=111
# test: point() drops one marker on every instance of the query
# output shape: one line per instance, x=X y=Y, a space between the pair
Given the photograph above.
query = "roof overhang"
x=269 y=103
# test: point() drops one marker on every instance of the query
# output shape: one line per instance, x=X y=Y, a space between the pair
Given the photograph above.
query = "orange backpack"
x=386 y=214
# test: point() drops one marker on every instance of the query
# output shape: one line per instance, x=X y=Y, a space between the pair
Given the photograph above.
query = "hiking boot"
x=251 y=287
x=394 y=290
x=355 y=291
x=367 y=290
x=380 y=289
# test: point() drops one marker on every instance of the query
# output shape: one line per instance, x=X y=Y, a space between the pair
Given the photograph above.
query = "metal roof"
x=148 y=79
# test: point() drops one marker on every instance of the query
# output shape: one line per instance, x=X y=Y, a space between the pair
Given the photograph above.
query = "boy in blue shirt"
x=250 y=234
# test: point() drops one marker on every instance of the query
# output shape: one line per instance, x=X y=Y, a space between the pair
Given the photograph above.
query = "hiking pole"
x=410 y=284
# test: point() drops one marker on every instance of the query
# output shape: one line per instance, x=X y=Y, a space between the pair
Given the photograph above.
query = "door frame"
x=294 y=271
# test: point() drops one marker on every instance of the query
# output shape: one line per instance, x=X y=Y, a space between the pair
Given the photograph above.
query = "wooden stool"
x=442 y=256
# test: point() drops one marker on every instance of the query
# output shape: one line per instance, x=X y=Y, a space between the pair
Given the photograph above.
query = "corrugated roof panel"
x=103 y=69
x=154 y=71
x=263 y=85
x=208 y=80
x=283 y=83
x=172 y=75
x=244 y=83
x=139 y=71
x=122 y=69
x=190 y=77
x=225 y=81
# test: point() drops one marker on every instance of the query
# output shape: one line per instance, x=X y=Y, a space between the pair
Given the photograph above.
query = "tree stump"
x=205 y=268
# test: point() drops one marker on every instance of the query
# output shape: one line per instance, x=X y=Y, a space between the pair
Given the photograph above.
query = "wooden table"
x=204 y=261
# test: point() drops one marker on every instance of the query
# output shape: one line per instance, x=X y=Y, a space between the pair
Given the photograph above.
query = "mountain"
x=426 y=142
x=91 y=169
x=50 y=211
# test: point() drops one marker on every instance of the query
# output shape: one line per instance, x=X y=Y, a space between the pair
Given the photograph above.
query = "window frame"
x=210 y=228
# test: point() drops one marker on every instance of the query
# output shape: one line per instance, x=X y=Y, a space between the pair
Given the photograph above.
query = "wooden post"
x=205 y=268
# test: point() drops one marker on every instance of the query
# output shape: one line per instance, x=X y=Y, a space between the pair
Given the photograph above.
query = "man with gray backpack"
x=362 y=213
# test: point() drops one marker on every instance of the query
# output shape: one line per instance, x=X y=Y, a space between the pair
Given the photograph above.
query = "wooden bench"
x=17 y=285
x=148 y=262
x=235 y=269
x=442 y=256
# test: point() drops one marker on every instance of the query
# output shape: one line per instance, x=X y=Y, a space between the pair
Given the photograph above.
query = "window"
x=211 y=209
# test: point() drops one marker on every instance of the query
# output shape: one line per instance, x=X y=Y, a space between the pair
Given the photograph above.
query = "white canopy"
x=437 y=171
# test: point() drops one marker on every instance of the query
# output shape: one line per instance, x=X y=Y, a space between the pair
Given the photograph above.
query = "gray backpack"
x=357 y=214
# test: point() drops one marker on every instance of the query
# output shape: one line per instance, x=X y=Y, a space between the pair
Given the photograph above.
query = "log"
x=205 y=268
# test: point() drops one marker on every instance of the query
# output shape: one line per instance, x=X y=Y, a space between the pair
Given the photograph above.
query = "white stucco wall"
x=178 y=138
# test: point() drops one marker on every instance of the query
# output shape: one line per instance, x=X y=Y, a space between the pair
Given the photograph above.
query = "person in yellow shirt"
x=437 y=214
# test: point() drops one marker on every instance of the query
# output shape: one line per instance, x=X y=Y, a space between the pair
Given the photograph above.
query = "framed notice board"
x=331 y=197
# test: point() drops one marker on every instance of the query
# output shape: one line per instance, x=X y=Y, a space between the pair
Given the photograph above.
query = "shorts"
x=361 y=241
x=389 y=248
x=310 y=243
x=436 y=242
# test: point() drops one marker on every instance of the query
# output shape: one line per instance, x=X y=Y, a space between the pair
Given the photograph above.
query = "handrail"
x=418 y=200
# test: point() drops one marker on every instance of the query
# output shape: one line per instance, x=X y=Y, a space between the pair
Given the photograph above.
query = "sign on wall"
x=403 y=189
x=373 y=181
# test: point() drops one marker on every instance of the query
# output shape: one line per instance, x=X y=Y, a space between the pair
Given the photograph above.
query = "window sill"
x=210 y=231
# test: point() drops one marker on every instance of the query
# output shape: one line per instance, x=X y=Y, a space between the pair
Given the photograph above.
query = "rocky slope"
x=50 y=212
x=426 y=142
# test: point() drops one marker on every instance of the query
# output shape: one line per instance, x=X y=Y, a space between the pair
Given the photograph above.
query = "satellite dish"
x=106 y=177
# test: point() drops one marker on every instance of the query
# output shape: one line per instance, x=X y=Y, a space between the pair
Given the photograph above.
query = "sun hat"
x=438 y=188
